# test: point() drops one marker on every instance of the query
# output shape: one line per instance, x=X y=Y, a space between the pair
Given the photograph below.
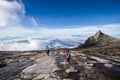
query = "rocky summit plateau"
x=96 y=59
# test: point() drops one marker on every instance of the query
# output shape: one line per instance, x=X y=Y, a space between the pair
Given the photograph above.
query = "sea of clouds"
x=40 y=39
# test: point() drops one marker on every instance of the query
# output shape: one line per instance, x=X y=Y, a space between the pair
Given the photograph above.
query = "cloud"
x=34 y=22
x=12 y=19
x=110 y=29
x=14 y=31
x=41 y=32
x=15 y=46
x=11 y=12
x=37 y=38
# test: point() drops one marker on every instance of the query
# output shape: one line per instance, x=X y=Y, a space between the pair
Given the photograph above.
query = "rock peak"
x=99 y=31
x=98 y=34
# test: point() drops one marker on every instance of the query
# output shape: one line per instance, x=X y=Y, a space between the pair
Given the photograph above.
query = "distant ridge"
x=100 y=39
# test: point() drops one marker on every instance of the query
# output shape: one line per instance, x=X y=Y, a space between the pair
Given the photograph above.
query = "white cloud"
x=10 y=12
x=111 y=29
x=14 y=31
x=34 y=22
x=31 y=45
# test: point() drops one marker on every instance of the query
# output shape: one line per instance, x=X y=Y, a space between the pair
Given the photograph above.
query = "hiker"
x=68 y=56
x=48 y=52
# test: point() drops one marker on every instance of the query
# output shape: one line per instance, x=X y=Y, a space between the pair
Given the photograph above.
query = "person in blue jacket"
x=68 y=56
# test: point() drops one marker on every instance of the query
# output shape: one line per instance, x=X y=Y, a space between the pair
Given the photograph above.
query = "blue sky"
x=61 y=13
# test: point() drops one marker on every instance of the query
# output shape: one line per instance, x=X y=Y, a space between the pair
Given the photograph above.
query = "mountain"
x=100 y=39
x=101 y=43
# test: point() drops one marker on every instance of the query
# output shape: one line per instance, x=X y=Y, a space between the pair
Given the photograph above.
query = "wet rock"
x=9 y=61
x=112 y=71
x=2 y=63
x=41 y=69
x=13 y=70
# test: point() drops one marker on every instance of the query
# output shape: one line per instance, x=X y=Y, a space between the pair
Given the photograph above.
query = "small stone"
x=63 y=63
x=17 y=79
x=108 y=65
x=70 y=70
x=67 y=79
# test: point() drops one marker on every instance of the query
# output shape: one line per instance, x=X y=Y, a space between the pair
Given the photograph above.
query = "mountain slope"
x=100 y=39
x=101 y=43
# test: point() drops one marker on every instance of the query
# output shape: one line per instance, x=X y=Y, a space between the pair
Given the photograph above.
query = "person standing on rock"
x=68 y=56
x=48 y=51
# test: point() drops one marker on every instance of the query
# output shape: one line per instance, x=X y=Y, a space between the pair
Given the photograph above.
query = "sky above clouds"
x=25 y=19
x=62 y=13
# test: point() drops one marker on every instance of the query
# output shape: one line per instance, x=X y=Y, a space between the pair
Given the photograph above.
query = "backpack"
x=69 y=55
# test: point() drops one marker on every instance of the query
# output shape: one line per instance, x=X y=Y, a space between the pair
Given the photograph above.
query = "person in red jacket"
x=68 y=56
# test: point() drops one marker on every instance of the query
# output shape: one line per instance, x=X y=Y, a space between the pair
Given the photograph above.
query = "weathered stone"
x=13 y=70
x=2 y=63
x=112 y=71
x=43 y=67
x=70 y=70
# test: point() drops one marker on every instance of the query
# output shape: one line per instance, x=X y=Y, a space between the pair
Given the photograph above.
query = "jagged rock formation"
x=101 y=43
x=100 y=39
